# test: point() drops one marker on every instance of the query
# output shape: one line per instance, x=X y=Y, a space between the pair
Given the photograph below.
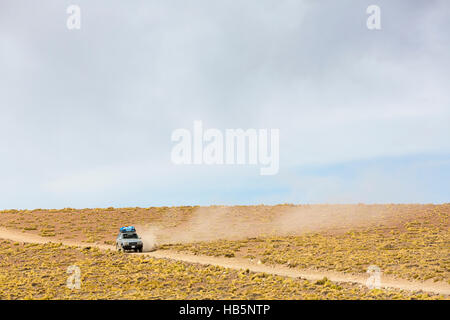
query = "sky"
x=86 y=116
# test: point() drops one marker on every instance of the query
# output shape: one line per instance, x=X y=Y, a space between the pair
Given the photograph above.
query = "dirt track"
x=242 y=264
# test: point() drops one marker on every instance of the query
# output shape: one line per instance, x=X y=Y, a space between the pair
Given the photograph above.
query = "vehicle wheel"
x=118 y=248
x=140 y=249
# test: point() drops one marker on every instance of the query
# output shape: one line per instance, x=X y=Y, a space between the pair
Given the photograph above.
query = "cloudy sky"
x=86 y=115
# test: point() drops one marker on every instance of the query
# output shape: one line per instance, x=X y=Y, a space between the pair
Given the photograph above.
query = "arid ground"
x=229 y=252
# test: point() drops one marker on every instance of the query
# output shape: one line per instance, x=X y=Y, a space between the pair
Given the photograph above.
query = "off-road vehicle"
x=128 y=240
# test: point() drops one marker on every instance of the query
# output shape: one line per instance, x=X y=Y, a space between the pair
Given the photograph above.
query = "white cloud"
x=89 y=110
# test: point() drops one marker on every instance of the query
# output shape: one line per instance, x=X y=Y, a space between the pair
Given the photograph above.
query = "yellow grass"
x=414 y=250
x=37 y=271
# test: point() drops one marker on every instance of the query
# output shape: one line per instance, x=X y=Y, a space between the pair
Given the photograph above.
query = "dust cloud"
x=240 y=222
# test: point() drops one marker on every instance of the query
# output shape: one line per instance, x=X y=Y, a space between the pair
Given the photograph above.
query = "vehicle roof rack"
x=128 y=229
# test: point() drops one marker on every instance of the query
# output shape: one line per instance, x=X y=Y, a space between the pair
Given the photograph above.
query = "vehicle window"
x=130 y=236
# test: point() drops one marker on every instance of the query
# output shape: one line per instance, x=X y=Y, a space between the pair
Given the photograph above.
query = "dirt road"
x=243 y=264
